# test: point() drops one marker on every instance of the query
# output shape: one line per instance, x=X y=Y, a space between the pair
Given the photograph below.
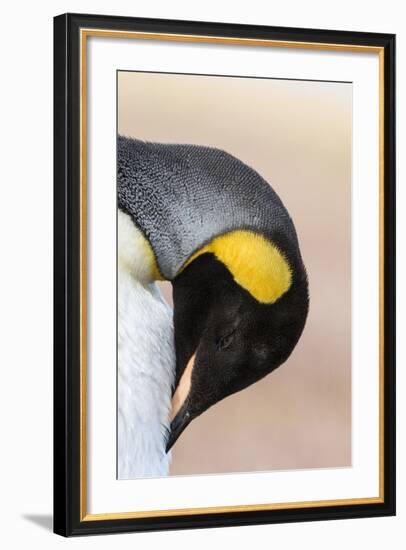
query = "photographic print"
x=233 y=274
x=224 y=274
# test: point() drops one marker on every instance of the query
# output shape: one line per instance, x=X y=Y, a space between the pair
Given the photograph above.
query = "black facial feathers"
x=236 y=339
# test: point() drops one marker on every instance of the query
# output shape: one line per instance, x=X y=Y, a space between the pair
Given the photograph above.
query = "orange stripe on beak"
x=182 y=391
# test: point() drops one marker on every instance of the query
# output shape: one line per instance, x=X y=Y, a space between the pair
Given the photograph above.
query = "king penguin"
x=211 y=225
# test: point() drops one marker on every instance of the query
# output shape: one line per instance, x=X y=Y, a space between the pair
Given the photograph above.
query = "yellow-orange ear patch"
x=256 y=264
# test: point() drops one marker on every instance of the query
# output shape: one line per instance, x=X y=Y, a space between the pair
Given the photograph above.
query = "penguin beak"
x=180 y=411
x=178 y=425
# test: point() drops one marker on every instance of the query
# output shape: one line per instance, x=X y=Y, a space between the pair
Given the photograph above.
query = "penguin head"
x=225 y=337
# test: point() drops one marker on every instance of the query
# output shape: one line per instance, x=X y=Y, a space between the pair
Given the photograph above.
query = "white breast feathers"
x=146 y=359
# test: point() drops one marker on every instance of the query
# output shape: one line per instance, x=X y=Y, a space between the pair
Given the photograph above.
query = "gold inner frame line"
x=84 y=34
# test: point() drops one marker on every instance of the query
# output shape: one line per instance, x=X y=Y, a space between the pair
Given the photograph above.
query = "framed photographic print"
x=224 y=274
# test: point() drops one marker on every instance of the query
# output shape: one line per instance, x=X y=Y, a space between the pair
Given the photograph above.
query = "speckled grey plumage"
x=182 y=196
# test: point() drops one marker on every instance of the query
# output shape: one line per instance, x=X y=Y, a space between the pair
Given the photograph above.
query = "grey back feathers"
x=182 y=196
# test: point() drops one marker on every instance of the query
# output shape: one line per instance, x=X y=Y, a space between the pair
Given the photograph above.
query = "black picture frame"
x=68 y=519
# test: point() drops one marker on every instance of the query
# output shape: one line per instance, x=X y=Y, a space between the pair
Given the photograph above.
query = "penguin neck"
x=184 y=196
x=146 y=359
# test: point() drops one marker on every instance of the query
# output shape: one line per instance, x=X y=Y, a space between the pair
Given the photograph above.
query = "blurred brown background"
x=297 y=135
